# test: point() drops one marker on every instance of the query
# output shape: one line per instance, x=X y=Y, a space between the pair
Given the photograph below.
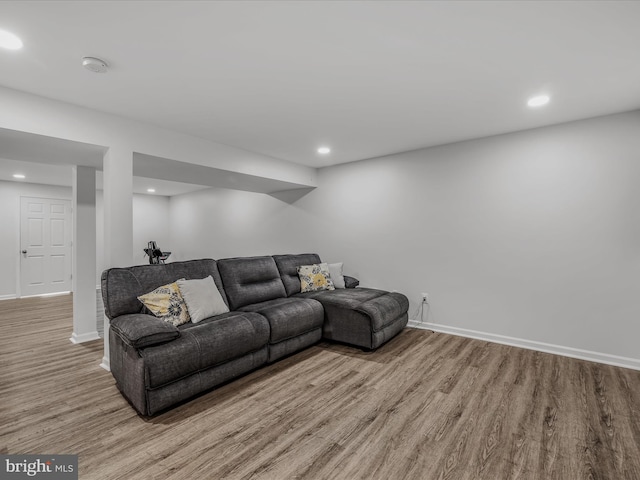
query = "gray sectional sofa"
x=157 y=364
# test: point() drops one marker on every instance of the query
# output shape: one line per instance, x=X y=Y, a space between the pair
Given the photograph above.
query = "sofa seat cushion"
x=204 y=344
x=289 y=317
x=380 y=306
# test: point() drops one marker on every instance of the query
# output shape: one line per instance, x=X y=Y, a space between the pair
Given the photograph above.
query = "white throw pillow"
x=335 y=271
x=202 y=298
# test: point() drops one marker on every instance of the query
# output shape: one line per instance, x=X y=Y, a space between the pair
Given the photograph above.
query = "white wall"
x=150 y=222
x=533 y=235
x=150 y=218
x=219 y=223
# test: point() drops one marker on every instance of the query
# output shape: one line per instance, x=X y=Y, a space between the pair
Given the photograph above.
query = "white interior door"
x=45 y=243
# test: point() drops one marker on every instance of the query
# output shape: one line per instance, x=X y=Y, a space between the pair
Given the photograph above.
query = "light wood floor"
x=425 y=406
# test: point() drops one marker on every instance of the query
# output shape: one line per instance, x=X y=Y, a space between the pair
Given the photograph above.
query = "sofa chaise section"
x=364 y=317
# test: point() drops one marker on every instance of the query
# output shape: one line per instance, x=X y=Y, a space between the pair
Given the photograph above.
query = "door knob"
x=24 y=252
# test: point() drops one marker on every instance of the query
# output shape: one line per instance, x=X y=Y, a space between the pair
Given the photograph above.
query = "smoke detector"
x=94 y=64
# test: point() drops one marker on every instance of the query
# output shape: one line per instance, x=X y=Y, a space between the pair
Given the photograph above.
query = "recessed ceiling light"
x=18 y=175
x=324 y=150
x=151 y=190
x=538 y=101
x=9 y=41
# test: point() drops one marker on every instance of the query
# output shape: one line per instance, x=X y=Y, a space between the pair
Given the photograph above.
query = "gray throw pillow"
x=202 y=298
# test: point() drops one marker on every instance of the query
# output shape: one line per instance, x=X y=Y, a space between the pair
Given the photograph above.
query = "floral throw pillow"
x=315 y=277
x=166 y=302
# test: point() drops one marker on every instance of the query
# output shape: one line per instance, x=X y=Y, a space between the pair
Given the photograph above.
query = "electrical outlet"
x=425 y=298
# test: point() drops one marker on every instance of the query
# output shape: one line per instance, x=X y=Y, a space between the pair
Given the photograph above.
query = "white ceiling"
x=367 y=78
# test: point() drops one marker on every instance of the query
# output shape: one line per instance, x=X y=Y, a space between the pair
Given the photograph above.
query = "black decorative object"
x=156 y=256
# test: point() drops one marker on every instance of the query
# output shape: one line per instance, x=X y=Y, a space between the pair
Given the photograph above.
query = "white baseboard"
x=598 y=357
x=13 y=296
x=85 y=337
x=44 y=295
x=105 y=364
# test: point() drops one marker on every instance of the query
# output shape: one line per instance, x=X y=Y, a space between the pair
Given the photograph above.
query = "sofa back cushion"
x=288 y=268
x=121 y=287
x=250 y=280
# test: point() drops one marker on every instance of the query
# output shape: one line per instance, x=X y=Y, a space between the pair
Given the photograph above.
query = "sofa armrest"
x=350 y=282
x=139 y=330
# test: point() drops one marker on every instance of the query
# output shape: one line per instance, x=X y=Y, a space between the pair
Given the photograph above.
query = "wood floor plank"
x=424 y=406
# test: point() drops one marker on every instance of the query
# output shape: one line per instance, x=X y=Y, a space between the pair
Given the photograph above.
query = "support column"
x=84 y=255
x=118 y=218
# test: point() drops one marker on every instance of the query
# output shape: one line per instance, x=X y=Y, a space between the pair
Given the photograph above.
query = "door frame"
x=19 y=244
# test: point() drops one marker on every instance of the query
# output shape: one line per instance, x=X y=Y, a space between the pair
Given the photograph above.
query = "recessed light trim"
x=151 y=190
x=538 y=101
x=95 y=65
x=19 y=176
x=324 y=150
x=9 y=40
